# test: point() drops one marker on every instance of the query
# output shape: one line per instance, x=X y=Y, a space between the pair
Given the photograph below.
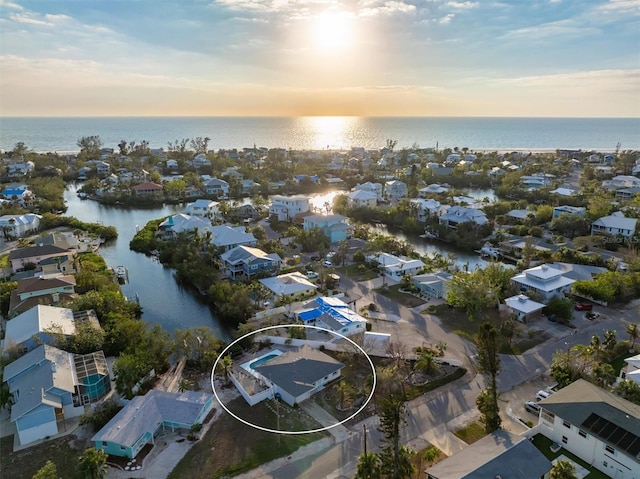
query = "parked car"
x=542 y=394
x=591 y=316
x=315 y=258
x=532 y=407
x=327 y=264
x=584 y=307
x=312 y=275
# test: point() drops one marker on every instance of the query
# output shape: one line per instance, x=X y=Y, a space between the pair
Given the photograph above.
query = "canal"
x=164 y=301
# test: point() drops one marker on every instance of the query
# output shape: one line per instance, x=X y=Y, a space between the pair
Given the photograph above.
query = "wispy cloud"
x=462 y=5
x=386 y=8
x=546 y=30
x=12 y=5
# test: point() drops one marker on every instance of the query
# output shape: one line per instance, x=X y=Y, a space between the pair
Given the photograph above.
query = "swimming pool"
x=263 y=360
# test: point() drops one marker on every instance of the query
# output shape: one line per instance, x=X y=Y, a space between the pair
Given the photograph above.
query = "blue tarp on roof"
x=310 y=315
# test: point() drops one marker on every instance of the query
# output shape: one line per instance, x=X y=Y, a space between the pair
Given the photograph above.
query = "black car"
x=315 y=258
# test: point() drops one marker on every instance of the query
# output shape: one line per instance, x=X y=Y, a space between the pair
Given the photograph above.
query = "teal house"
x=140 y=421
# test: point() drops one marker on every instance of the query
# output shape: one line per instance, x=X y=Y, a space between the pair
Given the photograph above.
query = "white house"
x=434 y=285
x=201 y=161
x=172 y=164
x=621 y=181
x=432 y=189
x=395 y=190
x=544 y=280
x=597 y=426
x=632 y=369
x=19 y=225
x=426 y=209
x=460 y=214
x=522 y=307
x=217 y=187
x=182 y=223
x=291 y=285
x=203 y=208
x=615 y=224
x=362 y=198
x=375 y=188
x=564 y=192
x=395 y=267
x=285 y=208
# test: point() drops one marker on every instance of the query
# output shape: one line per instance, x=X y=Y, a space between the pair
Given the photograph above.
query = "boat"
x=82 y=195
x=121 y=272
x=489 y=250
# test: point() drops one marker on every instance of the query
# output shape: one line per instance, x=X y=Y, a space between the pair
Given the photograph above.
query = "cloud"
x=627 y=80
x=546 y=30
x=447 y=18
x=32 y=18
x=386 y=8
x=462 y=5
x=7 y=4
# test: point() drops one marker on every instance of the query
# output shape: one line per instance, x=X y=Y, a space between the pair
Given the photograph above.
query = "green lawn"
x=543 y=444
x=358 y=272
x=471 y=433
x=393 y=292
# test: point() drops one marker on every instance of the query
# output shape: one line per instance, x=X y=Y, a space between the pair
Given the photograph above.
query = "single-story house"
x=523 y=308
x=294 y=376
x=333 y=314
x=571 y=210
x=140 y=421
x=291 y=285
x=183 y=223
x=433 y=285
x=615 y=224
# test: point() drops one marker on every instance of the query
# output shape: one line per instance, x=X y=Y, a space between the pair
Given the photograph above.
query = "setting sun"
x=332 y=32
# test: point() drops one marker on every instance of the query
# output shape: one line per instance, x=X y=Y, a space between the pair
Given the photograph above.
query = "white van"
x=540 y=395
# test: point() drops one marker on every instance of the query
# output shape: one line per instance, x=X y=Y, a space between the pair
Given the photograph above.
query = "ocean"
x=334 y=133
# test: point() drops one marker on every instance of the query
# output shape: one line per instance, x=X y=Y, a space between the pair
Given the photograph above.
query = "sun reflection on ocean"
x=329 y=132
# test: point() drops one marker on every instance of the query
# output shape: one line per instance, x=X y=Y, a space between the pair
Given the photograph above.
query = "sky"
x=523 y=58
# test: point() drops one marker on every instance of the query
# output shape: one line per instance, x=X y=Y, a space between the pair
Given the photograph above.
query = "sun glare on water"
x=332 y=32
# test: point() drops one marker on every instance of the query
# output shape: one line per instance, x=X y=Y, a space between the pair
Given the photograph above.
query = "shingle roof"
x=145 y=414
x=36 y=251
x=296 y=371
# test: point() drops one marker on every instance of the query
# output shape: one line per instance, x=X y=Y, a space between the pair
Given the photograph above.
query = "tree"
x=471 y=292
x=604 y=374
x=629 y=390
x=560 y=307
x=634 y=332
x=570 y=225
x=93 y=464
x=19 y=150
x=563 y=470
x=508 y=330
x=368 y=466
x=488 y=407
x=225 y=365
x=48 y=471
x=489 y=364
x=90 y=146
x=129 y=369
x=395 y=459
x=426 y=363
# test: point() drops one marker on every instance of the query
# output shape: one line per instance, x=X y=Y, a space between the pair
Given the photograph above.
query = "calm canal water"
x=169 y=304
x=164 y=301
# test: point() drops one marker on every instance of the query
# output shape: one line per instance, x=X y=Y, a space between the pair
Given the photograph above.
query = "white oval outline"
x=311 y=431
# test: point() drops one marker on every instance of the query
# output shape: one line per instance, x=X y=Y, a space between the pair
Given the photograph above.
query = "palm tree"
x=563 y=470
x=225 y=365
x=93 y=464
x=426 y=363
x=634 y=333
x=184 y=385
x=368 y=466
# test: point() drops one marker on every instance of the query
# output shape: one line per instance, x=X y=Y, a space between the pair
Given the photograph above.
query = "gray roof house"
x=138 y=423
x=598 y=426
x=246 y=261
x=500 y=454
x=43 y=386
x=296 y=375
x=615 y=224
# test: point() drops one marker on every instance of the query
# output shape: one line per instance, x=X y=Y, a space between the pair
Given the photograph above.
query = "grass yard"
x=393 y=292
x=231 y=447
x=471 y=433
x=64 y=452
x=426 y=458
x=543 y=444
x=358 y=272
x=458 y=322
